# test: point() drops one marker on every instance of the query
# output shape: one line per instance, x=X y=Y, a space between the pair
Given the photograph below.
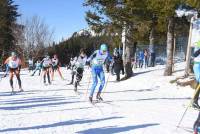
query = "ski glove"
x=87 y=63
x=196 y=53
x=19 y=68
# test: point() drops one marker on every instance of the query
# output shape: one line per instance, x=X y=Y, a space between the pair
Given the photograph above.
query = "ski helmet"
x=103 y=47
x=13 y=54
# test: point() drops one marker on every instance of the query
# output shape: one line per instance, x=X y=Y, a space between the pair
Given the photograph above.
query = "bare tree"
x=38 y=36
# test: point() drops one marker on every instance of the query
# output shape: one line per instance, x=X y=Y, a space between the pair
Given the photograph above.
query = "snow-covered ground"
x=145 y=104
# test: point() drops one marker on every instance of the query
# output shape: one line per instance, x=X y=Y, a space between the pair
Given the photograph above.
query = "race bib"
x=55 y=62
x=98 y=61
x=13 y=64
x=46 y=63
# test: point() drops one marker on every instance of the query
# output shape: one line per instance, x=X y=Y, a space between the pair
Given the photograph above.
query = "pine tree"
x=8 y=16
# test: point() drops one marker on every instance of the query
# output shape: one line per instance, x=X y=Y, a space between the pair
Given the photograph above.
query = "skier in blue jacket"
x=196 y=69
x=96 y=61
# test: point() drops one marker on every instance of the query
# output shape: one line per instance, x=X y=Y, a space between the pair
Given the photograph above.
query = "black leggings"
x=79 y=74
x=46 y=69
x=19 y=81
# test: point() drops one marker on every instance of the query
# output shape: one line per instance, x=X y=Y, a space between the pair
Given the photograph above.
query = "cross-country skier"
x=38 y=67
x=196 y=126
x=73 y=69
x=79 y=65
x=69 y=66
x=14 y=64
x=7 y=70
x=30 y=64
x=55 y=67
x=46 y=66
x=97 y=60
x=196 y=69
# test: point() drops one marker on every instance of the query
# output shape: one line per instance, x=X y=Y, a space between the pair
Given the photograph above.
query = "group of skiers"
x=96 y=61
x=48 y=65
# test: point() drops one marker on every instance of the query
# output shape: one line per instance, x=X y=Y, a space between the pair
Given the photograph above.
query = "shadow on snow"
x=58 y=124
x=114 y=129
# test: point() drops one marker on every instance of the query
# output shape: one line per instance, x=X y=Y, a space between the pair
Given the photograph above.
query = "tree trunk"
x=151 y=45
x=127 y=51
x=127 y=62
x=170 y=42
x=189 y=51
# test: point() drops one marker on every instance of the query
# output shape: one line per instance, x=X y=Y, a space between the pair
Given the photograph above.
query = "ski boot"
x=12 y=92
x=21 y=90
x=98 y=97
x=90 y=99
x=70 y=83
x=195 y=106
x=75 y=86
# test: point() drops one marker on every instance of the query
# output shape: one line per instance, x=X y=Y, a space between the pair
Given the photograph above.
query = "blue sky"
x=64 y=16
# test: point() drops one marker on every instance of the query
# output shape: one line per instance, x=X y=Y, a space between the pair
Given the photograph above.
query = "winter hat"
x=13 y=54
x=103 y=47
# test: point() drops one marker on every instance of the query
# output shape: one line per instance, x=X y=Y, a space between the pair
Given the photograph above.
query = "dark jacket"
x=118 y=63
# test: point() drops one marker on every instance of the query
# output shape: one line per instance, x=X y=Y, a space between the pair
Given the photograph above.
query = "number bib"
x=13 y=64
x=46 y=63
x=54 y=62
x=98 y=61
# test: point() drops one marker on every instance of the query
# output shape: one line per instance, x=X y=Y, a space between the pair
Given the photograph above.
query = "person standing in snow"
x=117 y=65
x=141 y=59
x=14 y=64
x=55 y=67
x=46 y=66
x=97 y=60
x=146 y=58
x=37 y=67
x=79 y=67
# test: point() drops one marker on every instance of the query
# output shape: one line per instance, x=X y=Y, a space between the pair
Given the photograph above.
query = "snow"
x=145 y=104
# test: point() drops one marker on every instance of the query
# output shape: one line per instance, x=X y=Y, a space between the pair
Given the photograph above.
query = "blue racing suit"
x=97 y=60
x=196 y=66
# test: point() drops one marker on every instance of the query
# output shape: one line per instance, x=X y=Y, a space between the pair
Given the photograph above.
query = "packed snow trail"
x=144 y=104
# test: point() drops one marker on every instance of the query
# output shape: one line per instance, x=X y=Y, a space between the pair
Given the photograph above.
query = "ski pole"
x=198 y=88
x=106 y=84
x=90 y=77
x=15 y=82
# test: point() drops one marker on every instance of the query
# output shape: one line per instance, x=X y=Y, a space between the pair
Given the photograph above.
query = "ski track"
x=145 y=104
